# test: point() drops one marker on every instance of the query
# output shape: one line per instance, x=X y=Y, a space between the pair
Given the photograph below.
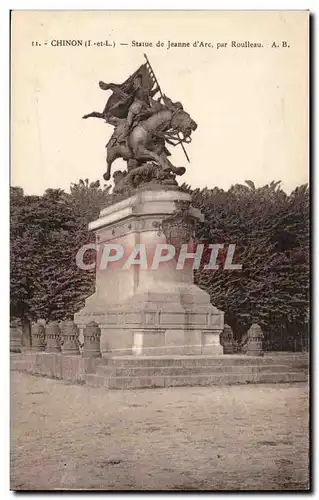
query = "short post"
x=227 y=340
x=53 y=337
x=37 y=337
x=26 y=336
x=254 y=341
x=70 y=337
x=92 y=334
x=15 y=337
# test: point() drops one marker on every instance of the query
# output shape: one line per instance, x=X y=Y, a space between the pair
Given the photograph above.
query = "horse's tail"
x=94 y=114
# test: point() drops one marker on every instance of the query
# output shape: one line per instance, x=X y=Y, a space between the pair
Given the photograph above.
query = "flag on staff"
x=120 y=101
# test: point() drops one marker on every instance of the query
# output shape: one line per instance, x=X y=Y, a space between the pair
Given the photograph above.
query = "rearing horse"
x=146 y=140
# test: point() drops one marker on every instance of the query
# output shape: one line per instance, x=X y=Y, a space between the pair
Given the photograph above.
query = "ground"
x=243 y=437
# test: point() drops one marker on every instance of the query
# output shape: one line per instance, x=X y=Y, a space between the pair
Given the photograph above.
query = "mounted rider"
x=143 y=106
x=143 y=125
x=132 y=100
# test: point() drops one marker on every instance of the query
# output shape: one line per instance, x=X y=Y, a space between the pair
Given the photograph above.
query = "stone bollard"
x=15 y=338
x=92 y=334
x=227 y=340
x=37 y=337
x=53 y=337
x=254 y=341
x=70 y=336
x=26 y=336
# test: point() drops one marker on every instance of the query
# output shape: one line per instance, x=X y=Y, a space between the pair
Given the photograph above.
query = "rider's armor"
x=139 y=108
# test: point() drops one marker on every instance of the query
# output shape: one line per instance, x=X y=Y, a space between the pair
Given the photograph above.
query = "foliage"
x=269 y=228
x=46 y=233
x=271 y=232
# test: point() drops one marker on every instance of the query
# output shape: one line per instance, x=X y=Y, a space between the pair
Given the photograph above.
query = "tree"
x=270 y=231
x=269 y=228
x=23 y=245
x=46 y=233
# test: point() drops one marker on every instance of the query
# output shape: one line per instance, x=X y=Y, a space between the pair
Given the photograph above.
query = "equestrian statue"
x=144 y=125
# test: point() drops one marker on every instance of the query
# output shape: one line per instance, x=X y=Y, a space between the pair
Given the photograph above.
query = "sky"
x=251 y=104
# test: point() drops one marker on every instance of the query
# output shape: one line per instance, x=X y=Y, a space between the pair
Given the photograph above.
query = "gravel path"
x=192 y=438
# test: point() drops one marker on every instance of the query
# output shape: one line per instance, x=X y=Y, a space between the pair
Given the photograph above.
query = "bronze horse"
x=146 y=140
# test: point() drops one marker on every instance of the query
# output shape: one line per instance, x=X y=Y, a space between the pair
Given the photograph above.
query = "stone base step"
x=138 y=382
x=301 y=361
x=154 y=371
x=94 y=380
x=132 y=372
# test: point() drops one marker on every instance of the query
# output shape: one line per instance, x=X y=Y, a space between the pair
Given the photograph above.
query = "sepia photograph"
x=159 y=251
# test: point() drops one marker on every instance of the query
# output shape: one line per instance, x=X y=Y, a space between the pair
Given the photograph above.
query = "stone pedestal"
x=15 y=339
x=91 y=335
x=38 y=338
x=227 y=340
x=145 y=311
x=255 y=341
x=53 y=337
x=70 y=337
x=26 y=336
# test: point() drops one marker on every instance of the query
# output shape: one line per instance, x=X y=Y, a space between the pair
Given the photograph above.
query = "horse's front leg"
x=111 y=156
x=160 y=150
x=113 y=153
x=107 y=174
x=174 y=170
